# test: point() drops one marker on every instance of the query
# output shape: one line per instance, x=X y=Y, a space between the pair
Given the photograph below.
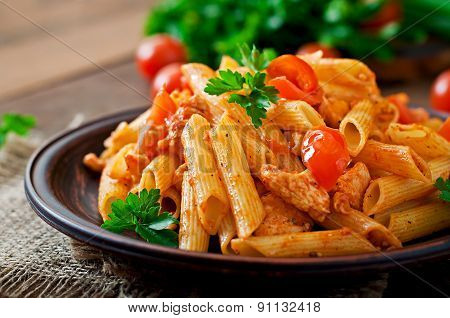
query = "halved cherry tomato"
x=169 y=76
x=163 y=107
x=401 y=100
x=296 y=70
x=288 y=90
x=445 y=129
x=312 y=47
x=158 y=51
x=392 y=11
x=440 y=92
x=325 y=154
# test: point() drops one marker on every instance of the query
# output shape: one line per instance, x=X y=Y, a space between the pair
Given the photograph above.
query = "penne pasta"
x=399 y=160
x=345 y=79
x=159 y=173
x=246 y=205
x=356 y=126
x=420 y=221
x=210 y=193
x=386 y=192
x=383 y=217
x=423 y=140
x=110 y=189
x=227 y=231
x=307 y=244
x=373 y=231
x=294 y=115
x=192 y=236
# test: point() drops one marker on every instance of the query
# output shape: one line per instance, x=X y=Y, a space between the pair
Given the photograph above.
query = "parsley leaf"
x=256 y=97
x=142 y=215
x=15 y=123
x=227 y=81
x=444 y=187
x=254 y=59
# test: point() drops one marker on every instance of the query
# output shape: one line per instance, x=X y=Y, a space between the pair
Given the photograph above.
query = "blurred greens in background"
x=210 y=28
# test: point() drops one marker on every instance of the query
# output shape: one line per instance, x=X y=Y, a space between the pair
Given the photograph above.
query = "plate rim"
x=116 y=243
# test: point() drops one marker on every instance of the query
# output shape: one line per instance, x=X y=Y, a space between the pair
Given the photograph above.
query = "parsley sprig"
x=256 y=96
x=254 y=59
x=444 y=187
x=15 y=123
x=142 y=215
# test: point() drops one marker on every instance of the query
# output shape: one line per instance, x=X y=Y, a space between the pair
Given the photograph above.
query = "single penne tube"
x=420 y=221
x=356 y=126
x=192 y=236
x=110 y=190
x=386 y=192
x=159 y=173
x=210 y=193
x=423 y=140
x=246 y=205
x=383 y=217
x=227 y=231
x=399 y=160
x=389 y=191
x=294 y=115
x=440 y=167
x=304 y=244
x=345 y=79
x=373 y=231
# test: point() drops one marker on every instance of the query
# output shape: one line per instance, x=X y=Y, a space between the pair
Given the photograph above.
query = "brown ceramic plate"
x=64 y=194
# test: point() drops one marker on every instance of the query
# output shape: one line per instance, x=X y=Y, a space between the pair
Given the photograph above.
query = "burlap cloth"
x=38 y=261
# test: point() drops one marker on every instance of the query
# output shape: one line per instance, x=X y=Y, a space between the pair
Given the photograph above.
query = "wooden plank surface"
x=105 y=31
x=90 y=96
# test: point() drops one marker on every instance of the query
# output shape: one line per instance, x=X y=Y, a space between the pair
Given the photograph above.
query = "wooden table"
x=43 y=77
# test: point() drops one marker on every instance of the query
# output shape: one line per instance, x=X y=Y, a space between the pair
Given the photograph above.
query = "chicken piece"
x=350 y=189
x=282 y=218
x=295 y=139
x=299 y=189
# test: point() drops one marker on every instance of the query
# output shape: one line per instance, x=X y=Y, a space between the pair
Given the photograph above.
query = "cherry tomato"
x=325 y=154
x=288 y=90
x=440 y=92
x=163 y=107
x=169 y=76
x=312 y=47
x=296 y=70
x=445 y=129
x=158 y=51
x=391 y=12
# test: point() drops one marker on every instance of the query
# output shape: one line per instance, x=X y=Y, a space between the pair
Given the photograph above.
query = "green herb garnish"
x=142 y=215
x=444 y=187
x=256 y=97
x=254 y=59
x=15 y=123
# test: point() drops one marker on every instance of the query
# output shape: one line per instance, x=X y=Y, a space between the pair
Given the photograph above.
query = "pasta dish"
x=298 y=156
